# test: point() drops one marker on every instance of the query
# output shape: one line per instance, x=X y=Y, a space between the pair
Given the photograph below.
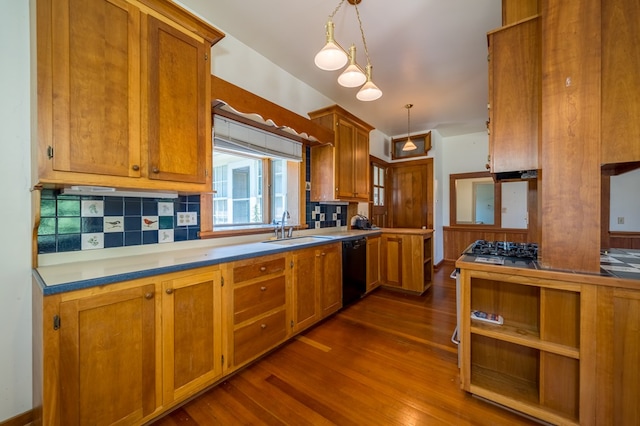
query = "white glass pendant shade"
x=369 y=92
x=352 y=76
x=409 y=145
x=332 y=57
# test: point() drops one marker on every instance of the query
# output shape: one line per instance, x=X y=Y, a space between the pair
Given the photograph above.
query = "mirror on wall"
x=475 y=199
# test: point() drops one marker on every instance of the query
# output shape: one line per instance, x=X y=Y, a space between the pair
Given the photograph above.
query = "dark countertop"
x=74 y=275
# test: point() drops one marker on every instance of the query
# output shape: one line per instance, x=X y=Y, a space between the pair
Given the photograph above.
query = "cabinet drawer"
x=248 y=271
x=255 y=299
x=259 y=336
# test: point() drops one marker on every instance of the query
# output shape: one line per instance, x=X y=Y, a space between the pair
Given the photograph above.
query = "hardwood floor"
x=385 y=360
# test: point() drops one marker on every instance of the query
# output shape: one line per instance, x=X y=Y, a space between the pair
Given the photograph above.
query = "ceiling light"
x=352 y=76
x=409 y=145
x=333 y=57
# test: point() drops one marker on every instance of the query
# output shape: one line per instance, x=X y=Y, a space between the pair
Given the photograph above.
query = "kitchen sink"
x=298 y=240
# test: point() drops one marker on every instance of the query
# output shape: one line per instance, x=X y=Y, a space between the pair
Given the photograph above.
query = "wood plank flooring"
x=385 y=360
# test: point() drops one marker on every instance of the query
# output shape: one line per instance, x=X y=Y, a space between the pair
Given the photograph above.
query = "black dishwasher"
x=354 y=270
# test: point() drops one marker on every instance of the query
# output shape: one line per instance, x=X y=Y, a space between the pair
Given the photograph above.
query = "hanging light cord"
x=408 y=107
x=364 y=41
x=338 y=8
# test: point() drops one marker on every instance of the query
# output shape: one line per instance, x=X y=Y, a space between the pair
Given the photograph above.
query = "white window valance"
x=239 y=137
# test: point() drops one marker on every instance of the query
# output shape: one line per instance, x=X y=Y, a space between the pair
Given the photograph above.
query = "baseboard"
x=23 y=419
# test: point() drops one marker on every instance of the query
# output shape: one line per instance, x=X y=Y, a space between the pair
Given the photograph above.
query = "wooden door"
x=90 y=62
x=306 y=304
x=379 y=187
x=192 y=330
x=178 y=94
x=412 y=194
x=391 y=260
x=328 y=267
x=108 y=358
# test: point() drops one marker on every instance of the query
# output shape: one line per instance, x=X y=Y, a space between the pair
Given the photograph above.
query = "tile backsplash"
x=78 y=222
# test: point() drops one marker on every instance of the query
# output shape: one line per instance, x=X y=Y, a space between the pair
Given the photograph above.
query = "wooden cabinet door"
x=329 y=270
x=89 y=87
x=192 y=330
x=306 y=303
x=361 y=183
x=618 y=353
x=178 y=97
x=514 y=96
x=391 y=265
x=108 y=358
x=373 y=262
x=345 y=162
x=620 y=81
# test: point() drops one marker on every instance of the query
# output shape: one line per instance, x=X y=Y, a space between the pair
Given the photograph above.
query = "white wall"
x=15 y=214
x=461 y=154
x=625 y=202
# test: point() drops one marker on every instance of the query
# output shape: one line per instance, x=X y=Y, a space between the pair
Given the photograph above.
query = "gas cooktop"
x=524 y=255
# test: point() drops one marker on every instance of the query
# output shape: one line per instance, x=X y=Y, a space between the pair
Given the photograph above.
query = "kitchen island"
x=565 y=346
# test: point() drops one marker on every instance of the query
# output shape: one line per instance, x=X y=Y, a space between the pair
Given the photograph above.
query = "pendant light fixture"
x=333 y=57
x=409 y=145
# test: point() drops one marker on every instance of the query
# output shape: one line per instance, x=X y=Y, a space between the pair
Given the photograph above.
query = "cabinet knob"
x=263 y=288
x=487 y=166
x=135 y=167
x=155 y=170
x=169 y=290
x=323 y=254
x=263 y=326
x=148 y=295
x=263 y=268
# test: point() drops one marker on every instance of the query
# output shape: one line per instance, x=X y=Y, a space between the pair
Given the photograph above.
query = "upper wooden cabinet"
x=514 y=96
x=341 y=171
x=620 y=81
x=123 y=94
x=517 y=10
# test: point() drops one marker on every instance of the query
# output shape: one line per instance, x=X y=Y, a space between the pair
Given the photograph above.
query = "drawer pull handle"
x=155 y=170
x=148 y=295
x=263 y=268
x=263 y=288
x=169 y=290
x=263 y=326
x=135 y=167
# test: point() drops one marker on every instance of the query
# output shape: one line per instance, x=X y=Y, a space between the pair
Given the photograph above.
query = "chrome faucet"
x=285 y=216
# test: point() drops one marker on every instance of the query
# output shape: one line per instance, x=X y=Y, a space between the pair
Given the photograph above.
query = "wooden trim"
x=19 y=420
x=246 y=102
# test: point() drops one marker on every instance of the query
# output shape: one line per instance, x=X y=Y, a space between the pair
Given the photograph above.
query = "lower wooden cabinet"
x=191 y=333
x=259 y=307
x=406 y=260
x=305 y=290
x=542 y=359
x=329 y=272
x=316 y=284
x=124 y=353
x=619 y=354
x=98 y=354
x=373 y=262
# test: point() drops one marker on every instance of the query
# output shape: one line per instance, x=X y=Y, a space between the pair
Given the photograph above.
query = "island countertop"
x=88 y=269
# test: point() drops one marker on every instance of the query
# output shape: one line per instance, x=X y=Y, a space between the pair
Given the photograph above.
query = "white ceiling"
x=431 y=53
